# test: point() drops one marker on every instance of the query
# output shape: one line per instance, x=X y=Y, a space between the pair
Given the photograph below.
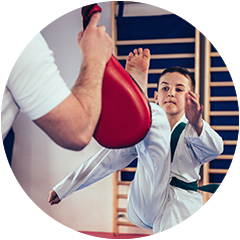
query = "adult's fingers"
x=79 y=36
x=94 y=20
x=102 y=27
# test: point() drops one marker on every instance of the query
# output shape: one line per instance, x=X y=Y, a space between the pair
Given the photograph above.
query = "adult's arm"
x=72 y=123
x=30 y=75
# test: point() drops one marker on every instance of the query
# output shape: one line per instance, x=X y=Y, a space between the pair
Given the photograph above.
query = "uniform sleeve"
x=205 y=147
x=102 y=164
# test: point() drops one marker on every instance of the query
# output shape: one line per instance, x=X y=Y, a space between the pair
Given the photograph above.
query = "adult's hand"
x=72 y=123
x=94 y=43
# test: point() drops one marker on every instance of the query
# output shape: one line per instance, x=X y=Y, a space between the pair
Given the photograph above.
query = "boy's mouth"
x=170 y=102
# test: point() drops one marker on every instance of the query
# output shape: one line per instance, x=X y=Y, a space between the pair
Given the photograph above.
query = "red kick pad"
x=126 y=115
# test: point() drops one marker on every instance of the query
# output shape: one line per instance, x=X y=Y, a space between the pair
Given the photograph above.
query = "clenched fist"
x=53 y=198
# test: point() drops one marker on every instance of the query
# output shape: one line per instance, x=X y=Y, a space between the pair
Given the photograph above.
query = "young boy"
x=162 y=193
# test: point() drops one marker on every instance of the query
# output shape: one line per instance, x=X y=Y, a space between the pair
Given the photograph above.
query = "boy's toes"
x=146 y=53
x=140 y=50
x=135 y=51
x=130 y=56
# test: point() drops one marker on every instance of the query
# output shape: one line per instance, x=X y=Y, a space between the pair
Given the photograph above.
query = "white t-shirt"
x=34 y=85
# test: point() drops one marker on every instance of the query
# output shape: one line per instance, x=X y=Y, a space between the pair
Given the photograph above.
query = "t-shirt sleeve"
x=35 y=81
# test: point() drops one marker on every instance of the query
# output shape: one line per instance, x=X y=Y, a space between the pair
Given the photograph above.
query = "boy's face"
x=171 y=94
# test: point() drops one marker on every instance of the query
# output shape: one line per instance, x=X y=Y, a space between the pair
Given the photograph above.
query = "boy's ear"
x=156 y=97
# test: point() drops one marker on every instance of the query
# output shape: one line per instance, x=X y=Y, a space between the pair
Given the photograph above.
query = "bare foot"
x=137 y=65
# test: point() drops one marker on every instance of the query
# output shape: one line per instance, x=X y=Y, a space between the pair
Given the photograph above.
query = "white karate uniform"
x=152 y=202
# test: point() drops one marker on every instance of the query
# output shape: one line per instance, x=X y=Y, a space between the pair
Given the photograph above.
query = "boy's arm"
x=193 y=111
x=205 y=147
x=206 y=144
x=103 y=163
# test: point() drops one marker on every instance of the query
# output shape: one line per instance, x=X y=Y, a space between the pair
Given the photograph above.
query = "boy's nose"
x=170 y=93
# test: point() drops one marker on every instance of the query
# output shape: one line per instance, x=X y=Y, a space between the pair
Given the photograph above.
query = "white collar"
x=182 y=119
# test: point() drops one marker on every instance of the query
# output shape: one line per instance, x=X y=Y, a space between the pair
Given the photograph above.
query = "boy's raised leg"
x=137 y=64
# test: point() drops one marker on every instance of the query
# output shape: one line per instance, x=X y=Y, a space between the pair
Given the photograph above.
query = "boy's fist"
x=53 y=198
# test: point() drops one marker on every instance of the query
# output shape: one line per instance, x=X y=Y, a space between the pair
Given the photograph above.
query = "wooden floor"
x=9 y=233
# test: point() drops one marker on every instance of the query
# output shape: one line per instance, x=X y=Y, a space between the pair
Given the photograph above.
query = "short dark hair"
x=182 y=71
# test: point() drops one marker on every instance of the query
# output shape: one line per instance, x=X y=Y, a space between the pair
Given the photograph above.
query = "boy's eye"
x=179 y=90
x=165 y=88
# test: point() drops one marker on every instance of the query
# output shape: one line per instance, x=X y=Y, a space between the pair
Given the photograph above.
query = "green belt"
x=193 y=186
